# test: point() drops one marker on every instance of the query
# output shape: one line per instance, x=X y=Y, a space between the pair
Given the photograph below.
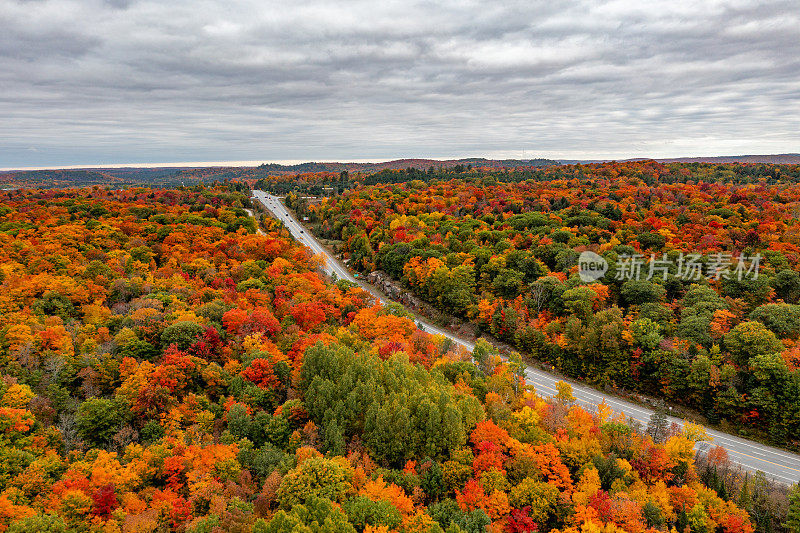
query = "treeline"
x=117 y=178
x=330 y=183
x=648 y=172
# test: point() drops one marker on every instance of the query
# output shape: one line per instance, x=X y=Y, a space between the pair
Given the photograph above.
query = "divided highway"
x=780 y=465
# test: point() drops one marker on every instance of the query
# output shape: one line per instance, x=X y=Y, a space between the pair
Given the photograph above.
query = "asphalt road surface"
x=780 y=465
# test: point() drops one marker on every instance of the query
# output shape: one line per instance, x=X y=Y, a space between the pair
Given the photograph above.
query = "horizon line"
x=255 y=163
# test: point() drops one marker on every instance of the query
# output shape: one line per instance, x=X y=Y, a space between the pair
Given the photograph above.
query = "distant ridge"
x=172 y=176
x=419 y=164
x=776 y=159
x=397 y=164
x=422 y=164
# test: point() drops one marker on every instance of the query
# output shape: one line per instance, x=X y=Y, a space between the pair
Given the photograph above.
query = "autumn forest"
x=171 y=360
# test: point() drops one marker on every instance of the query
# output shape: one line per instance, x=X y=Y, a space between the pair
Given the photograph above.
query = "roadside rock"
x=394 y=290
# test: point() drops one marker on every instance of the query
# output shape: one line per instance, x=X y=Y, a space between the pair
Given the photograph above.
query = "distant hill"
x=174 y=176
x=420 y=164
x=188 y=175
x=775 y=159
x=114 y=177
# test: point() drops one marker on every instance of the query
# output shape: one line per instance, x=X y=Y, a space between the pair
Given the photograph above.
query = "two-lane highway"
x=777 y=464
x=280 y=212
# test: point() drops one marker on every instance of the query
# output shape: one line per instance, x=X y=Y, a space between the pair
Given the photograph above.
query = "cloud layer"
x=93 y=82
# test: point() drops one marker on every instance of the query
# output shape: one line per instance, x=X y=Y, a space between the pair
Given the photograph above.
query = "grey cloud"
x=136 y=81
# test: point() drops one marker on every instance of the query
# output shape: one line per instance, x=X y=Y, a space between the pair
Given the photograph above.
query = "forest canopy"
x=170 y=364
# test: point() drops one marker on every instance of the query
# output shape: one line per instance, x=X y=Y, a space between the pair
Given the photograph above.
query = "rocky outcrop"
x=394 y=290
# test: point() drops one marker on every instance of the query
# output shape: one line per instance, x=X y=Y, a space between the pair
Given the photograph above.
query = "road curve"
x=780 y=465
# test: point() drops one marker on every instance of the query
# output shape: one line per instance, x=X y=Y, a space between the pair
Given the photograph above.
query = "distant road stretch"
x=780 y=465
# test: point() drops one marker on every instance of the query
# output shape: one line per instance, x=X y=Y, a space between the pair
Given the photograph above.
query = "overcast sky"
x=127 y=81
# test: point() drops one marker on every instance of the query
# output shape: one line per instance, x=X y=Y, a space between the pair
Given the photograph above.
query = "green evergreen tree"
x=657 y=425
x=793 y=515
